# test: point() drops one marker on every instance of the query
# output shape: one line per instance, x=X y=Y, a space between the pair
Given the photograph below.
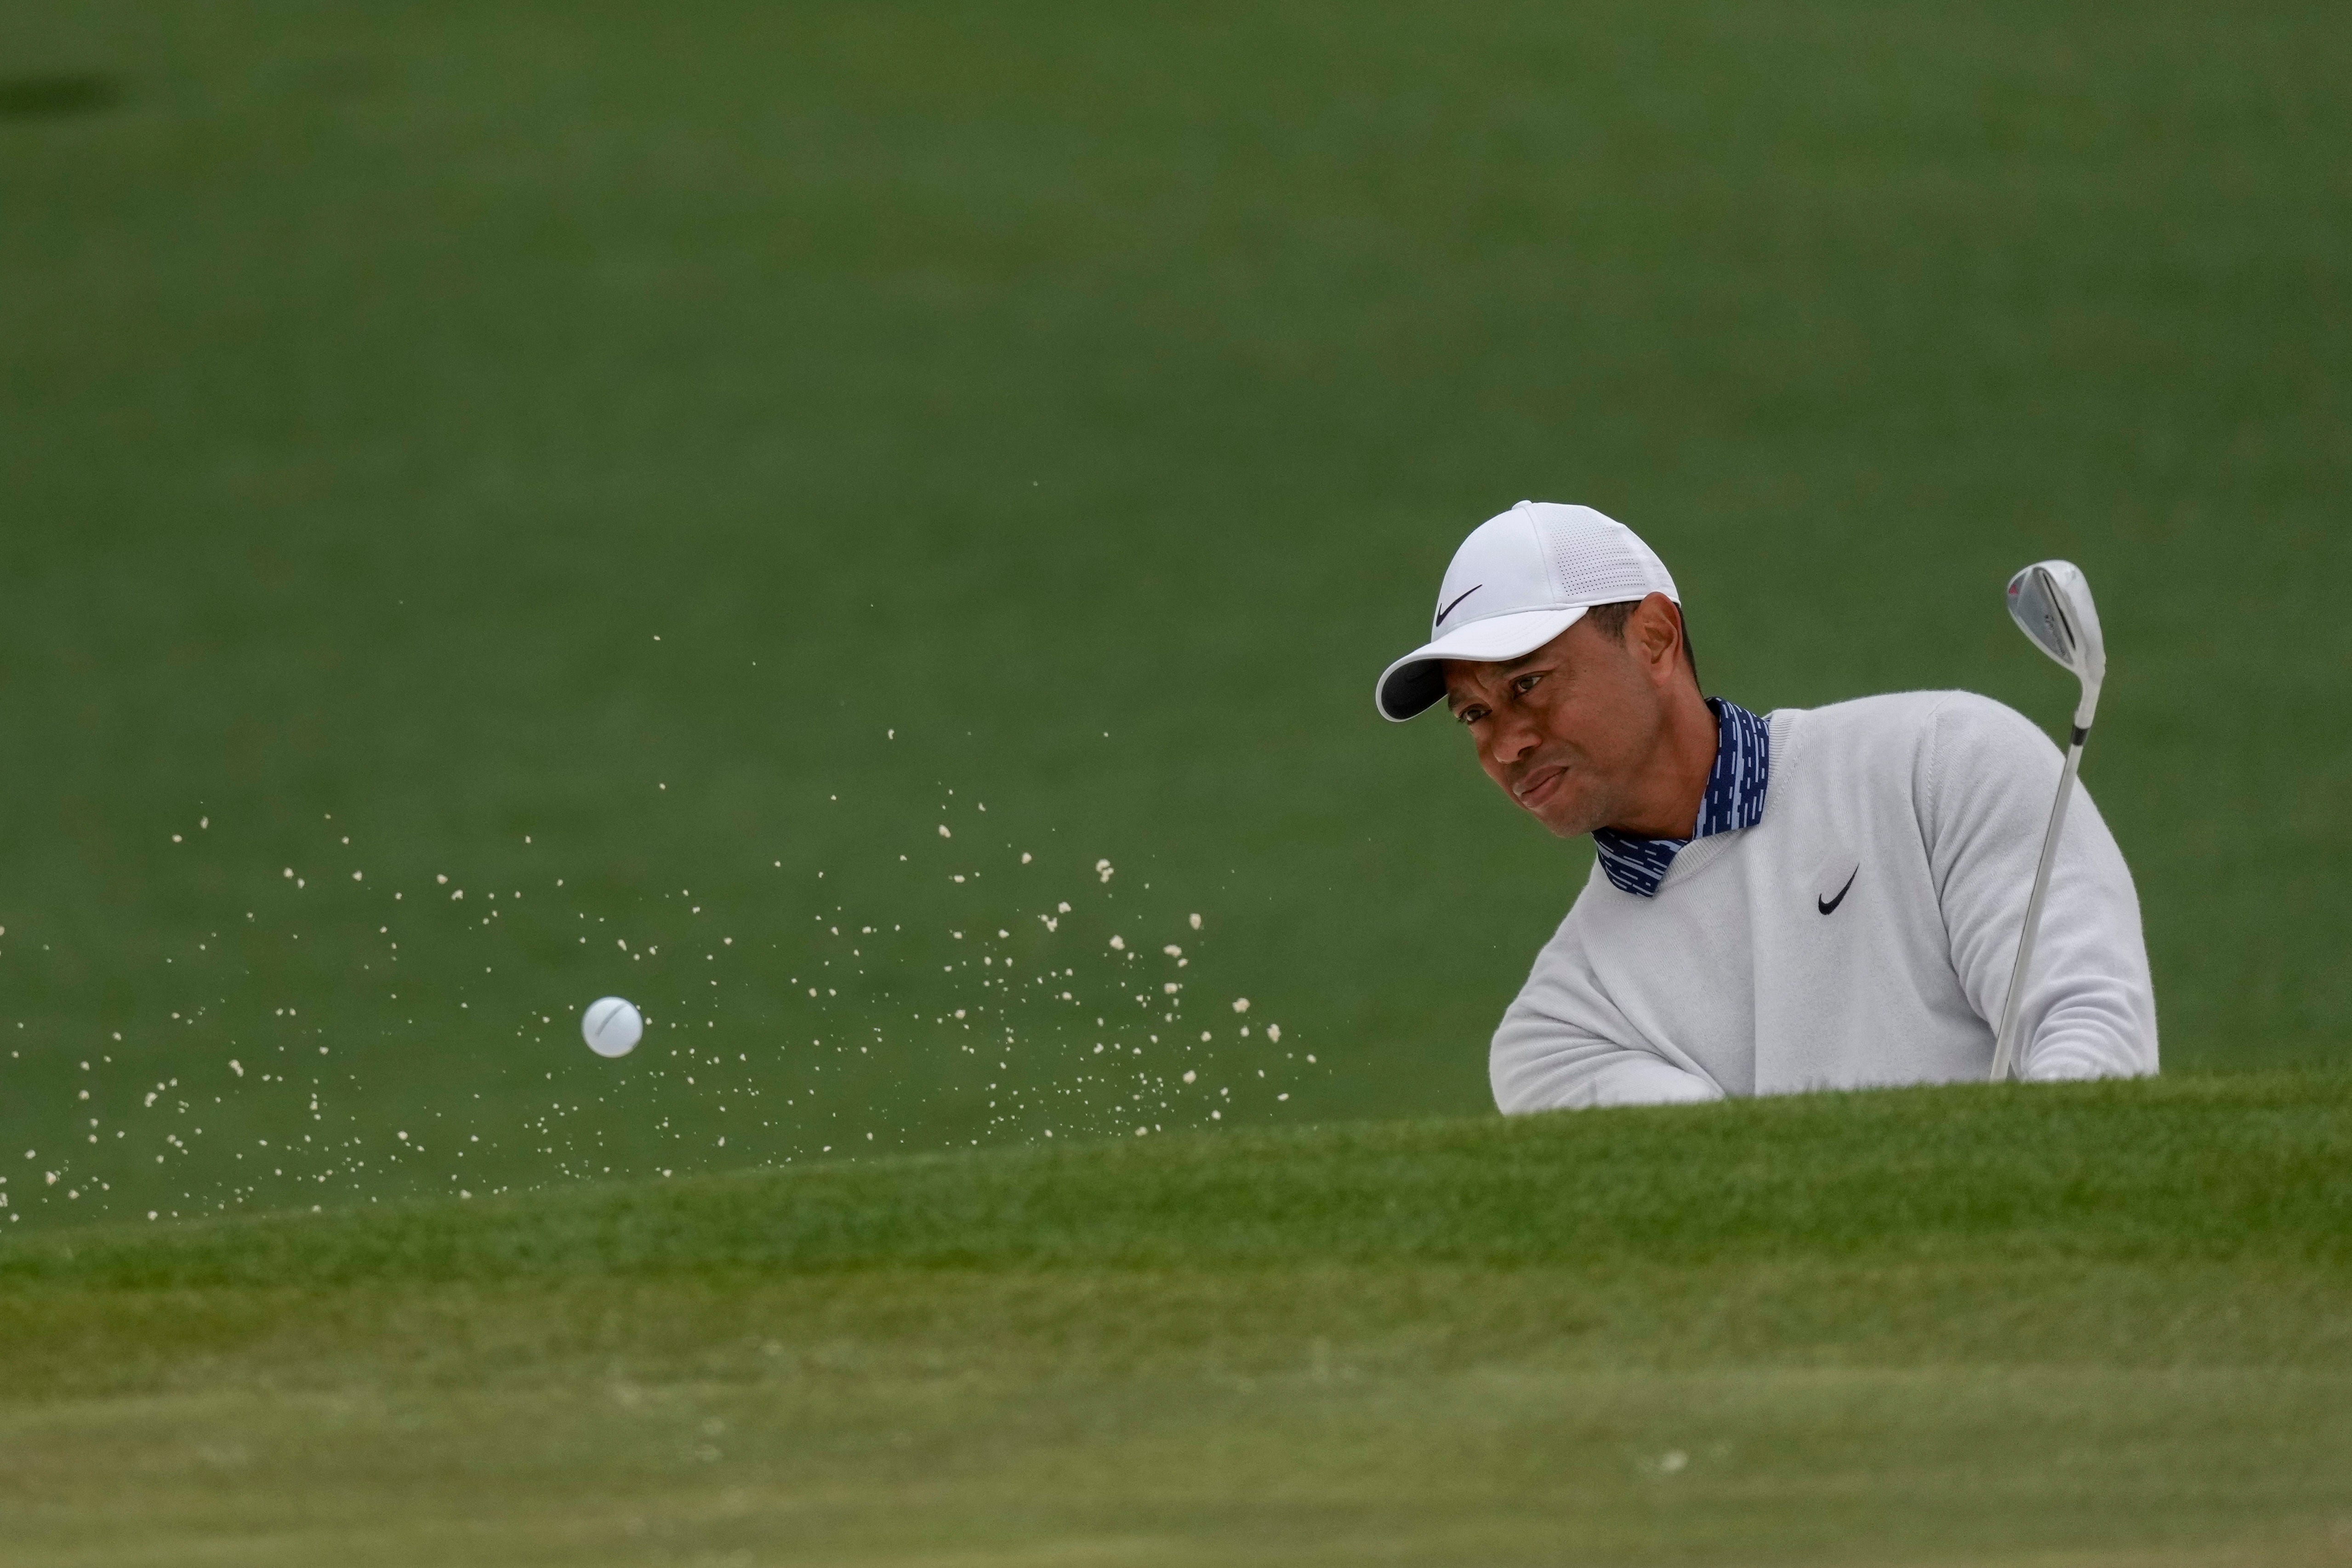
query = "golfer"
x=1823 y=898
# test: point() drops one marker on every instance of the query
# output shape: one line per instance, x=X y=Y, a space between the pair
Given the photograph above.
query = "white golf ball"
x=612 y=1026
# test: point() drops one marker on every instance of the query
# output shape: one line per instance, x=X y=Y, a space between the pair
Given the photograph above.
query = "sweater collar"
x=1734 y=799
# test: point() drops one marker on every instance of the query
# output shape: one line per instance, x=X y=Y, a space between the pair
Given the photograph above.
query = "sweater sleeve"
x=2090 y=1008
x=1548 y=1054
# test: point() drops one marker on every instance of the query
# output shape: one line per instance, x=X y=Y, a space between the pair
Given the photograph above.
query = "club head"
x=2051 y=603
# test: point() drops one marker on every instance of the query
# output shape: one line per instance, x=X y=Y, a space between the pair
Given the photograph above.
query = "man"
x=1822 y=899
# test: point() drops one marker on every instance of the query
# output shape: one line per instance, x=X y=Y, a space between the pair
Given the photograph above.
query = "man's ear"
x=1657 y=633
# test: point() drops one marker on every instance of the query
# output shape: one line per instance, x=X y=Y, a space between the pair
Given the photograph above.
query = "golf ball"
x=612 y=1026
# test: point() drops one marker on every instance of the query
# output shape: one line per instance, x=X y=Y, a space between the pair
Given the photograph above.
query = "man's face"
x=1567 y=730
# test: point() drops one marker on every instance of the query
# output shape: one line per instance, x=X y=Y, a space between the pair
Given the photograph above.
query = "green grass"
x=659 y=464
x=1066 y=410
x=2101 y=1324
x=1090 y=396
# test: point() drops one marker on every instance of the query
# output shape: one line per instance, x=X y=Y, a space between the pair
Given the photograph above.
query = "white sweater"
x=1731 y=981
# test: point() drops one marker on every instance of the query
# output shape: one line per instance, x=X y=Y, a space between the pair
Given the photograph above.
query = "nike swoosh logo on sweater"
x=1829 y=905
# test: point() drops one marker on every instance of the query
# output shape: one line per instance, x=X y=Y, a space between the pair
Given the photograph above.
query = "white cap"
x=1518 y=581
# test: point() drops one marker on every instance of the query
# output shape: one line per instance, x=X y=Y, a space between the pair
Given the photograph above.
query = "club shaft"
x=2005 y=1043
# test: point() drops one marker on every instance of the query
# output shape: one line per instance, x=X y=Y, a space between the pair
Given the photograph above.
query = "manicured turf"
x=2091 y=1325
x=772 y=503
x=1088 y=395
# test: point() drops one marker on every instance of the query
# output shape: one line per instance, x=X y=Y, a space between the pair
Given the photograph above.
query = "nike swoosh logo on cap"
x=1829 y=905
x=1454 y=606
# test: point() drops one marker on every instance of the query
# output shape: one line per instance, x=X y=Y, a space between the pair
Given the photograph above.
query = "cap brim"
x=1418 y=679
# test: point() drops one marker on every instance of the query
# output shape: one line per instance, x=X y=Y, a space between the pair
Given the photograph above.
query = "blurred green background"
x=665 y=450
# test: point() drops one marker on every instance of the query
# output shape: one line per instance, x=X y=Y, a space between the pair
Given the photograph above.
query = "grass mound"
x=2104 y=1322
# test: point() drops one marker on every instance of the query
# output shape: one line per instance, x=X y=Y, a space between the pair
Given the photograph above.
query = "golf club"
x=2051 y=602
